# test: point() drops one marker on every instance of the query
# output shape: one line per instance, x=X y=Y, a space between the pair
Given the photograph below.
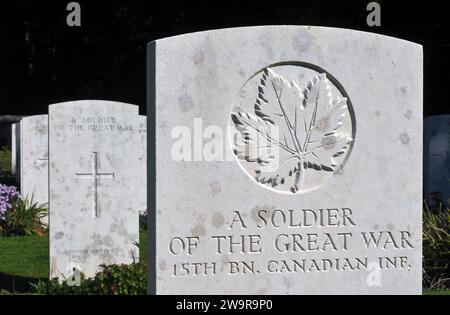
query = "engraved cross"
x=95 y=176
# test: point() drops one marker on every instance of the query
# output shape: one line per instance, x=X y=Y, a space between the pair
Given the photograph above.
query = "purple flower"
x=8 y=196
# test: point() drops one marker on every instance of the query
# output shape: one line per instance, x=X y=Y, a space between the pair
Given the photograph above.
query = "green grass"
x=24 y=256
x=143 y=246
x=25 y=259
x=437 y=292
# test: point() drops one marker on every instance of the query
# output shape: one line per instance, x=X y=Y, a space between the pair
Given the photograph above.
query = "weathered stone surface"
x=141 y=194
x=299 y=221
x=34 y=158
x=94 y=161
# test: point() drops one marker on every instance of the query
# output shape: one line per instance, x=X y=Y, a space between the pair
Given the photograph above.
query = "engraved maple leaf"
x=301 y=124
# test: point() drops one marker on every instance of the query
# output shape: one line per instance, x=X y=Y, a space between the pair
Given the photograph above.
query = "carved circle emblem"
x=292 y=127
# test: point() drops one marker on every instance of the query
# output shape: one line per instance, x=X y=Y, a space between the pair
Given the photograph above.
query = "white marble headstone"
x=34 y=158
x=17 y=155
x=94 y=161
x=141 y=194
x=282 y=154
x=437 y=159
x=15 y=147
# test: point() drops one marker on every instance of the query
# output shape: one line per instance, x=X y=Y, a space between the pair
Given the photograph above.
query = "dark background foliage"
x=43 y=61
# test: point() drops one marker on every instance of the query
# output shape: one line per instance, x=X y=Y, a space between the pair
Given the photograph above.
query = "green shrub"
x=24 y=219
x=436 y=248
x=113 y=280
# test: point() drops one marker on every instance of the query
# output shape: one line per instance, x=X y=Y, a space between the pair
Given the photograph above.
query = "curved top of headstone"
x=35 y=117
x=94 y=103
x=312 y=33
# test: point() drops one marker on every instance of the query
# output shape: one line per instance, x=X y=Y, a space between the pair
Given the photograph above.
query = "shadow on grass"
x=16 y=284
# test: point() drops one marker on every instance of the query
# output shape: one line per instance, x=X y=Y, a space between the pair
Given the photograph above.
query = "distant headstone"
x=34 y=158
x=15 y=150
x=141 y=196
x=94 y=163
x=288 y=160
x=437 y=160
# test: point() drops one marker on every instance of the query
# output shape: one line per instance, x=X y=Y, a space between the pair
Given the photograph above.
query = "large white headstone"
x=94 y=161
x=288 y=161
x=437 y=159
x=34 y=158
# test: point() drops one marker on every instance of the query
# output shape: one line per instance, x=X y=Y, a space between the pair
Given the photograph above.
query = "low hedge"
x=113 y=280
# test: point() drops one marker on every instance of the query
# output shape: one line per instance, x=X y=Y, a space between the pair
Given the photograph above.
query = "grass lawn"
x=437 y=292
x=25 y=259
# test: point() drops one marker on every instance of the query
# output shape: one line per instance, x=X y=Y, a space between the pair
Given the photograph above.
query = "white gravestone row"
x=283 y=160
x=437 y=160
x=94 y=167
x=288 y=160
x=31 y=136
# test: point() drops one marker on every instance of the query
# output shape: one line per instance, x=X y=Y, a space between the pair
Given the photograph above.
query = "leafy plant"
x=301 y=124
x=113 y=280
x=436 y=247
x=24 y=217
